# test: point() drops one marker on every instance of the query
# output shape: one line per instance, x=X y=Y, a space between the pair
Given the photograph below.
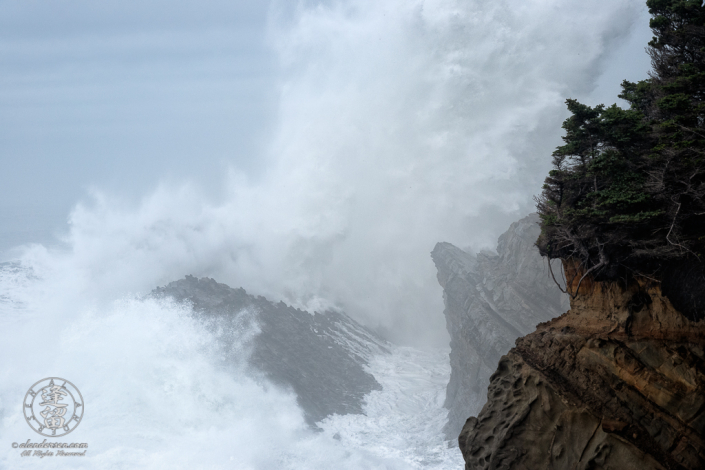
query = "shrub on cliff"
x=626 y=193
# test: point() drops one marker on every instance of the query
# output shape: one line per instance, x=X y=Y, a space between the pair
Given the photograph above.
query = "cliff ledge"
x=617 y=382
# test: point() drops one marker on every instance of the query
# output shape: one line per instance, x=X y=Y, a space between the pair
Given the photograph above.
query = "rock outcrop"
x=491 y=300
x=320 y=356
x=617 y=382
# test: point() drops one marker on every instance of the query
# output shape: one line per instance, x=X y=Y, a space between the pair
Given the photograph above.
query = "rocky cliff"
x=491 y=300
x=617 y=382
x=321 y=356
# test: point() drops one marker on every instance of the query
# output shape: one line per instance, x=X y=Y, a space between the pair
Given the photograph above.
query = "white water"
x=159 y=395
x=401 y=123
x=404 y=420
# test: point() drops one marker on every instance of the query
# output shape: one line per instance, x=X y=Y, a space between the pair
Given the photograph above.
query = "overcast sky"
x=121 y=94
x=310 y=151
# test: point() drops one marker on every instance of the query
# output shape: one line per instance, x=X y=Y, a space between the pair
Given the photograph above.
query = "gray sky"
x=313 y=153
x=121 y=94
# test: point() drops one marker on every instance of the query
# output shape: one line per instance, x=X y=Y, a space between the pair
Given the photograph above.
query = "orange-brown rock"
x=617 y=382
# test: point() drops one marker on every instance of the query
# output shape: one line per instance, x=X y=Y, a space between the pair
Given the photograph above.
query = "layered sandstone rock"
x=618 y=382
x=490 y=300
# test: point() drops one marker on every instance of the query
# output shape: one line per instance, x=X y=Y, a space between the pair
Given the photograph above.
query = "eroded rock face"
x=320 y=356
x=491 y=300
x=618 y=382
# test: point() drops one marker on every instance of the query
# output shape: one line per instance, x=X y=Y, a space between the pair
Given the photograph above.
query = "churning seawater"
x=400 y=124
x=159 y=393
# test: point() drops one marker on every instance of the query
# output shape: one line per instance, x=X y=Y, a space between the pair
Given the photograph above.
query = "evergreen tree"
x=626 y=195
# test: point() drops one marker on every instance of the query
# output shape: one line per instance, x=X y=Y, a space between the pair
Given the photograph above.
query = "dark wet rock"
x=491 y=300
x=321 y=356
x=617 y=382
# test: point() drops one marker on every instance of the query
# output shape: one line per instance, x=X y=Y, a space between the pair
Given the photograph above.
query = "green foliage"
x=627 y=188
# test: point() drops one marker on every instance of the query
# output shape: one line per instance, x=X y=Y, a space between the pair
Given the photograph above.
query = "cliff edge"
x=490 y=300
x=617 y=382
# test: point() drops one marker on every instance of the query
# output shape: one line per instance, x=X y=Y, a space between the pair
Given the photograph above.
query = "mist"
x=310 y=152
x=397 y=125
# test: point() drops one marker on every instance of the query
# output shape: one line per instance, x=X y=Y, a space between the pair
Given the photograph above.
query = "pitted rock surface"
x=618 y=382
x=490 y=300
